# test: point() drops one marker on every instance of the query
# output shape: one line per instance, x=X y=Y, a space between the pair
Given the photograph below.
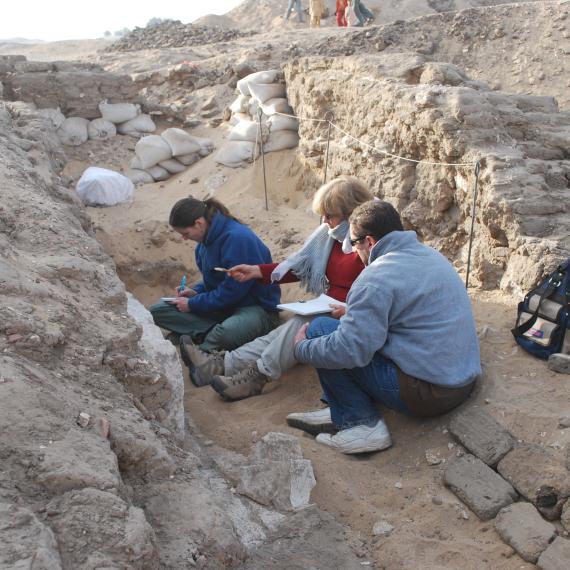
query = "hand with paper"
x=322 y=304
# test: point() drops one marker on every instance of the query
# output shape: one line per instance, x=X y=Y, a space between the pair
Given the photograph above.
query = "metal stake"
x=259 y=113
x=477 y=170
x=329 y=116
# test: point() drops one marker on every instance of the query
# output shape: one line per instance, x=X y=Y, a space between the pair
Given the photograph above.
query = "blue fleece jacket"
x=410 y=305
x=229 y=243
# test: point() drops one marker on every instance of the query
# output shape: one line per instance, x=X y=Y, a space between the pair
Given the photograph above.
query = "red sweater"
x=342 y=270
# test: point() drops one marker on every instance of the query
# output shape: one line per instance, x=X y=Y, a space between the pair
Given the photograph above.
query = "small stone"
x=15 y=337
x=382 y=528
x=437 y=500
x=559 y=363
x=398 y=485
x=104 y=428
x=83 y=419
x=433 y=457
x=564 y=422
x=194 y=181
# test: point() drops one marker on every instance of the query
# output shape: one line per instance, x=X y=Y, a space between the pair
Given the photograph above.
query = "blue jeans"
x=352 y=392
x=362 y=12
x=297 y=4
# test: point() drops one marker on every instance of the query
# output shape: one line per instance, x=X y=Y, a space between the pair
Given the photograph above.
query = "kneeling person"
x=407 y=341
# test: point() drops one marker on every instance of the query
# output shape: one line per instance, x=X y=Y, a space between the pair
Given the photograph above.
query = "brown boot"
x=201 y=366
x=248 y=382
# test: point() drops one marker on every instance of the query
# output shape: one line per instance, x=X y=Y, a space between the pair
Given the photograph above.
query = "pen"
x=182 y=284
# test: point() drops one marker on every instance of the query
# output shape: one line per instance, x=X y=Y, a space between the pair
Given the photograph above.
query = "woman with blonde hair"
x=325 y=264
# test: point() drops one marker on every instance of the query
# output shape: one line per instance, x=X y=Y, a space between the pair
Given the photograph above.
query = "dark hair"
x=186 y=211
x=376 y=219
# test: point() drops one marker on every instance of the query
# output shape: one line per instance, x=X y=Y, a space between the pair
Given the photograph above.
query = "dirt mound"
x=174 y=34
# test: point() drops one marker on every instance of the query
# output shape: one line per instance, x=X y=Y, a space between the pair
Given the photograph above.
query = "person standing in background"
x=298 y=9
x=341 y=13
x=316 y=8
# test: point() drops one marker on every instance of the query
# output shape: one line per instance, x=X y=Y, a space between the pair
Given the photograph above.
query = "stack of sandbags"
x=262 y=90
x=157 y=157
x=122 y=118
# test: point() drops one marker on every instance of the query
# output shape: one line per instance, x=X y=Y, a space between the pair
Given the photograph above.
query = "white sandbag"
x=158 y=173
x=262 y=93
x=151 y=150
x=247 y=131
x=281 y=123
x=140 y=124
x=258 y=77
x=54 y=115
x=102 y=187
x=188 y=159
x=279 y=105
x=240 y=105
x=253 y=108
x=73 y=131
x=101 y=129
x=237 y=117
x=280 y=140
x=206 y=146
x=180 y=141
x=138 y=177
x=172 y=165
x=136 y=163
x=236 y=153
x=119 y=112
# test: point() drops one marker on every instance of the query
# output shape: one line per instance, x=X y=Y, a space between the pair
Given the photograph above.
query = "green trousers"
x=223 y=330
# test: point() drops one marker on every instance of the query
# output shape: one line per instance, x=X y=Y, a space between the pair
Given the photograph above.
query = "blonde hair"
x=341 y=196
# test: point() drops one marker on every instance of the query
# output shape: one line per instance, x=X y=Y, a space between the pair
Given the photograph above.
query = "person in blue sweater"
x=219 y=313
x=407 y=340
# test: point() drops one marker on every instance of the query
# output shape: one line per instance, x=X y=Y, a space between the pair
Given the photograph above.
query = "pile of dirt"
x=174 y=34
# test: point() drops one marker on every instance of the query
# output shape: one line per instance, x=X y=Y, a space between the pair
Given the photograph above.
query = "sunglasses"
x=356 y=240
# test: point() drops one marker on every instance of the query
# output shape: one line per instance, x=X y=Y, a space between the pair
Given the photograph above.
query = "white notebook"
x=312 y=306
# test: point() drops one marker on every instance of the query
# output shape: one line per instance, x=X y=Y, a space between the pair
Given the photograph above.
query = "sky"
x=53 y=20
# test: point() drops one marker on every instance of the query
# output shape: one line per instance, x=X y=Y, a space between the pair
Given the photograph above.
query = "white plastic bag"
x=180 y=141
x=141 y=124
x=172 y=165
x=101 y=129
x=258 y=77
x=151 y=150
x=281 y=123
x=119 y=112
x=237 y=153
x=73 y=131
x=280 y=140
x=102 y=187
x=262 y=93
x=279 y=105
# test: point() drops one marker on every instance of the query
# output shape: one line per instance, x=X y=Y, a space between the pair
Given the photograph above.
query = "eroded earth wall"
x=404 y=105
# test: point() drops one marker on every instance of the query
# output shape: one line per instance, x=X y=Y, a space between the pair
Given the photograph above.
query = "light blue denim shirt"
x=411 y=306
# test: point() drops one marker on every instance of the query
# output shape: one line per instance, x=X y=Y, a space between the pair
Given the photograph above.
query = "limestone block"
x=539 y=477
x=277 y=474
x=79 y=460
x=164 y=357
x=559 y=363
x=556 y=556
x=481 y=434
x=477 y=485
x=99 y=530
x=521 y=526
x=26 y=541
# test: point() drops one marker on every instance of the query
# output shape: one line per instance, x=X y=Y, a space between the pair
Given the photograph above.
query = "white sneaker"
x=315 y=422
x=359 y=439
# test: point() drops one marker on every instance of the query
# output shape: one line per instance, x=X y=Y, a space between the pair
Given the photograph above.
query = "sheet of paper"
x=168 y=299
x=311 y=307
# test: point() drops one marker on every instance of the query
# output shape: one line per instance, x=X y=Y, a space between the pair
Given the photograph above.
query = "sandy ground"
x=432 y=529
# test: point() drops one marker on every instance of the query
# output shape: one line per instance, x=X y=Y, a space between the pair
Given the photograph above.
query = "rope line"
x=384 y=152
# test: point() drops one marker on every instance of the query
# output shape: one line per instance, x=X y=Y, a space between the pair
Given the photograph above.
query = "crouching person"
x=218 y=313
x=408 y=339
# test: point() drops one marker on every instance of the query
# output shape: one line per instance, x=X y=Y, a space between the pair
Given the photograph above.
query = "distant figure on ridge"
x=316 y=8
x=298 y=9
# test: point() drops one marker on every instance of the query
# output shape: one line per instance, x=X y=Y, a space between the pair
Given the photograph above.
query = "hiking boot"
x=359 y=439
x=201 y=366
x=248 y=382
x=173 y=337
x=315 y=422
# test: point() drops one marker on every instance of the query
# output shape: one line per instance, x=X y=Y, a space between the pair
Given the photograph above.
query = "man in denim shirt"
x=407 y=341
